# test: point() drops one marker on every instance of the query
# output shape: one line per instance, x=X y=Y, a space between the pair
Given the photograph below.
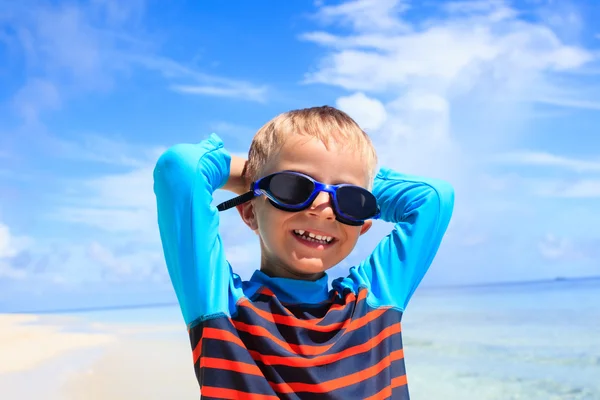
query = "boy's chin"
x=310 y=267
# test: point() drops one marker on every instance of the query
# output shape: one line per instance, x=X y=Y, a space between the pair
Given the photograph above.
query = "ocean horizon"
x=169 y=304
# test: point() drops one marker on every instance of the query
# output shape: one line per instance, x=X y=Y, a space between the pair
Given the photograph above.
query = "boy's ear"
x=248 y=215
x=365 y=227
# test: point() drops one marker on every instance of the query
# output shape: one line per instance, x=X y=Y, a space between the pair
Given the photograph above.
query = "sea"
x=531 y=341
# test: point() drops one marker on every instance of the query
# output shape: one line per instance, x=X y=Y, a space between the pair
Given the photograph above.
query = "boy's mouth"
x=316 y=238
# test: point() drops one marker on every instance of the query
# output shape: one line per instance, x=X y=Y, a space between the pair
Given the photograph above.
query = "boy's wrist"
x=236 y=182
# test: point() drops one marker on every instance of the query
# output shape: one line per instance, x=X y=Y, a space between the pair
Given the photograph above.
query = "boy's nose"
x=322 y=206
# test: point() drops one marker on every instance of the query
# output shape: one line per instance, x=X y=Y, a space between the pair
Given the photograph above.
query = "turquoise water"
x=523 y=341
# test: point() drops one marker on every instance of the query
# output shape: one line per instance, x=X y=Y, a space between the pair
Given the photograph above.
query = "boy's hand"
x=236 y=182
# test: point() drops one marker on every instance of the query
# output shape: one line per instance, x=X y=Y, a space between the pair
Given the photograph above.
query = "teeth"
x=311 y=237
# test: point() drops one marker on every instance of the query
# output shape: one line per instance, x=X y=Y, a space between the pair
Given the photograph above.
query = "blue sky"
x=500 y=98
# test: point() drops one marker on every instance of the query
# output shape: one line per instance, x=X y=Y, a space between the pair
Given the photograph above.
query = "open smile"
x=313 y=239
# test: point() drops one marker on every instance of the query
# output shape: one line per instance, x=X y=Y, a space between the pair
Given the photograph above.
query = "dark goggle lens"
x=356 y=202
x=291 y=189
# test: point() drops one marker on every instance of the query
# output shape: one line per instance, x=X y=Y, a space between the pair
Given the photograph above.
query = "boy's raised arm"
x=421 y=210
x=185 y=177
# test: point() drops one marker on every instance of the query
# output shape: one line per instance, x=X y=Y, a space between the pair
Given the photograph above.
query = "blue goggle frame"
x=261 y=187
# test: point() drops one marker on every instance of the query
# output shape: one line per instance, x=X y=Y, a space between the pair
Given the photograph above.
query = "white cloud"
x=10 y=247
x=71 y=49
x=369 y=113
x=365 y=15
x=116 y=203
x=6 y=249
x=495 y=9
x=139 y=265
x=480 y=56
x=35 y=96
x=441 y=52
x=559 y=248
x=104 y=256
x=570 y=103
x=552 y=247
x=567 y=188
x=70 y=262
x=544 y=159
x=236 y=91
x=201 y=83
x=95 y=148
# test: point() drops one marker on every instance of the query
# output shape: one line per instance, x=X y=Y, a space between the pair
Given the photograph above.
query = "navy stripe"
x=234 y=380
x=338 y=340
x=401 y=393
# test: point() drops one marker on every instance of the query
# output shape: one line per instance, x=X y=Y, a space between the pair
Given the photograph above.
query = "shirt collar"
x=296 y=291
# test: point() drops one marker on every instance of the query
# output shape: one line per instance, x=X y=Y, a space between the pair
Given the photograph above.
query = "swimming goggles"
x=293 y=191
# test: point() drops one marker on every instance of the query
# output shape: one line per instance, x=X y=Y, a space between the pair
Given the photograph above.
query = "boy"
x=285 y=333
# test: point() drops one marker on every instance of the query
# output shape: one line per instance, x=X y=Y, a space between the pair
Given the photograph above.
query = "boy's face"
x=284 y=253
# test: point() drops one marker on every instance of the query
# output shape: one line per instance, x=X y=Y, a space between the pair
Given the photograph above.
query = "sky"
x=501 y=99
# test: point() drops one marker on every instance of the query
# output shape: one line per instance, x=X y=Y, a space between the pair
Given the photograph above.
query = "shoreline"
x=29 y=340
x=67 y=357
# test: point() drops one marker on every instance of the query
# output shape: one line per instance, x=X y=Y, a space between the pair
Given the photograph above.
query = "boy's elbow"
x=445 y=194
x=172 y=166
x=171 y=158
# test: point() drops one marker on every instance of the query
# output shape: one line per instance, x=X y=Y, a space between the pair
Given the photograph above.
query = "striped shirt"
x=270 y=337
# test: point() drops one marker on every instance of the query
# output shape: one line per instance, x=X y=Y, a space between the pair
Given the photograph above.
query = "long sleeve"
x=185 y=177
x=421 y=210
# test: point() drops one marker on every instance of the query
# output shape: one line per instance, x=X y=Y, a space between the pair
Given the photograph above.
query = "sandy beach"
x=53 y=357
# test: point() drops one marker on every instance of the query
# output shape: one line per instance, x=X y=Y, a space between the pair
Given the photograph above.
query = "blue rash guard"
x=271 y=338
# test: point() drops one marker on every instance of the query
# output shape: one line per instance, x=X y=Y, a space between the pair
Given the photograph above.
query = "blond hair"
x=327 y=124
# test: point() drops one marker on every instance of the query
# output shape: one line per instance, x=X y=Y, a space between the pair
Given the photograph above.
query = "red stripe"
x=217 y=334
x=221 y=393
x=236 y=366
x=197 y=352
x=338 y=383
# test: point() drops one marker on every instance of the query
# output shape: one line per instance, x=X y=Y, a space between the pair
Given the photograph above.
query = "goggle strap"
x=236 y=201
